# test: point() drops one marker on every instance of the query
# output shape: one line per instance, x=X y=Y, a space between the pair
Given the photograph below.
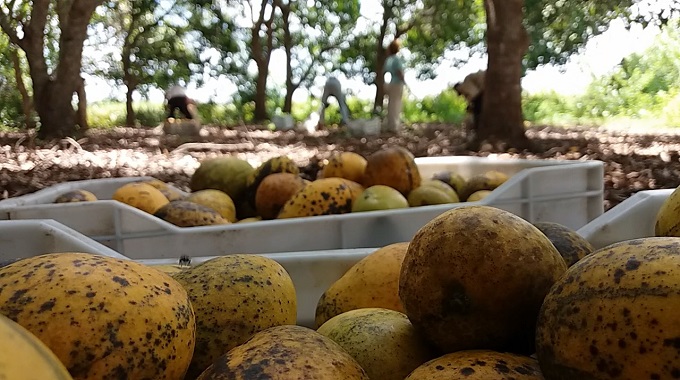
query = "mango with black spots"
x=572 y=246
x=614 y=314
x=189 y=214
x=479 y=365
x=279 y=164
x=326 y=196
x=78 y=195
x=170 y=192
x=394 y=167
x=382 y=341
x=274 y=191
x=286 y=353
x=25 y=357
x=234 y=297
x=667 y=221
x=103 y=317
x=348 y=165
x=476 y=276
x=373 y=282
x=140 y=195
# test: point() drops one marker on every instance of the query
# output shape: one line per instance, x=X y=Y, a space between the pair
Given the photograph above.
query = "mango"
x=104 y=318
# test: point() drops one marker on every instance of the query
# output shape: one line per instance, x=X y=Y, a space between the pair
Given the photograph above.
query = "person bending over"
x=333 y=88
x=177 y=99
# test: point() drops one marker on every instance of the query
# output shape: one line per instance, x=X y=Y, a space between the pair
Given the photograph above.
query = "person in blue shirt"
x=395 y=88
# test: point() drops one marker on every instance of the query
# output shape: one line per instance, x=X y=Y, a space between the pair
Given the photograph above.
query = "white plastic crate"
x=102 y=188
x=633 y=218
x=312 y=273
x=566 y=192
x=26 y=238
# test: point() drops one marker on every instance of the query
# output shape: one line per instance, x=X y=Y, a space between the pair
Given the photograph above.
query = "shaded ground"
x=634 y=161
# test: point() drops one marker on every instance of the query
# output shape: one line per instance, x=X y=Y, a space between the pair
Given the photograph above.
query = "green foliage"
x=560 y=28
x=107 y=114
x=447 y=107
x=10 y=99
x=642 y=84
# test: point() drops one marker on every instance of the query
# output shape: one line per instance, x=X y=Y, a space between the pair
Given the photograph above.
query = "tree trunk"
x=53 y=92
x=26 y=101
x=262 y=55
x=288 y=46
x=379 y=79
x=81 y=113
x=54 y=107
x=507 y=42
x=130 y=117
x=260 y=113
x=380 y=56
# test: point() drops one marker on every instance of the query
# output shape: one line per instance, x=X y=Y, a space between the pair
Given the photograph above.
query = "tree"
x=431 y=27
x=261 y=47
x=150 y=49
x=308 y=53
x=54 y=83
x=233 y=35
x=11 y=103
x=507 y=42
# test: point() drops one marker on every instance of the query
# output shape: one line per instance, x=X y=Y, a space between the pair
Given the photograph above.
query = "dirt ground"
x=634 y=160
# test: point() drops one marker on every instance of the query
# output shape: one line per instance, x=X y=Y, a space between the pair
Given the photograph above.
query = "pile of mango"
x=478 y=293
x=229 y=190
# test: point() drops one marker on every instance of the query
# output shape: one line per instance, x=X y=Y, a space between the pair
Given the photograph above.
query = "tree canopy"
x=149 y=44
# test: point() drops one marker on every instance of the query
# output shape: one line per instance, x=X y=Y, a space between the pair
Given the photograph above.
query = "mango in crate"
x=572 y=246
x=286 y=353
x=280 y=164
x=274 y=191
x=371 y=282
x=382 y=341
x=348 y=165
x=479 y=365
x=620 y=304
x=379 y=197
x=476 y=276
x=326 y=196
x=25 y=357
x=234 y=297
x=667 y=221
x=394 y=167
x=103 y=317
x=228 y=174
x=429 y=195
x=487 y=181
x=141 y=195
x=443 y=186
x=478 y=195
x=216 y=200
x=170 y=192
x=79 y=195
x=455 y=180
x=189 y=214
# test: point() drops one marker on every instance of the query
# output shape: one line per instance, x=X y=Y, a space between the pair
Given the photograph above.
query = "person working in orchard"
x=333 y=88
x=395 y=88
x=178 y=100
